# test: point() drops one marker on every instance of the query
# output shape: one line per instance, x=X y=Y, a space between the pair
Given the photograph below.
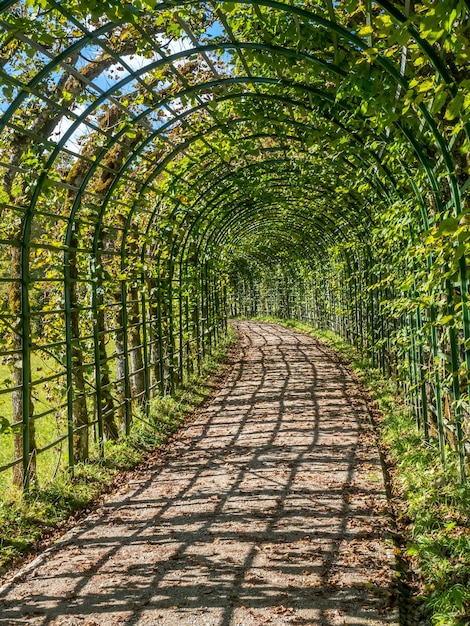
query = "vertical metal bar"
x=203 y=314
x=463 y=275
x=218 y=324
x=68 y=362
x=26 y=360
x=145 y=347
x=386 y=361
x=171 y=338
x=188 y=335
x=97 y=365
x=160 y=336
x=438 y=387
x=225 y=305
x=180 y=328
x=360 y=304
x=370 y=326
x=198 y=328
x=422 y=380
x=210 y=310
x=125 y=348
x=414 y=374
x=455 y=363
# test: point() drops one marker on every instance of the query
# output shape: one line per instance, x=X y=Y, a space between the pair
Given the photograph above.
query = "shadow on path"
x=270 y=510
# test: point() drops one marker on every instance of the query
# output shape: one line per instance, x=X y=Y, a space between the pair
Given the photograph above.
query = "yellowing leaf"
x=365 y=31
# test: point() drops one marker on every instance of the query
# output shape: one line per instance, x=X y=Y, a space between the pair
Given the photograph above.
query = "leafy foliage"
x=162 y=161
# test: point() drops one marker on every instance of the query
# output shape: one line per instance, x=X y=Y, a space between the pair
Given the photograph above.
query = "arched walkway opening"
x=165 y=165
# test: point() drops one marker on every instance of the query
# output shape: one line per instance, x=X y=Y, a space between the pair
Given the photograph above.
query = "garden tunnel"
x=165 y=165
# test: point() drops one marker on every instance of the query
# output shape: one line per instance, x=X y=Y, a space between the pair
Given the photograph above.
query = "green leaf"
x=457 y=594
x=455 y=107
x=5 y=426
x=448 y=226
x=439 y=101
x=46 y=39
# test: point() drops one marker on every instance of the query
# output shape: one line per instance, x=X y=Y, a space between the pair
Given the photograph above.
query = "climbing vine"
x=165 y=163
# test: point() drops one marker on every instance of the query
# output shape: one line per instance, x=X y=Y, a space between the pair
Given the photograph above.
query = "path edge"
x=402 y=584
x=52 y=541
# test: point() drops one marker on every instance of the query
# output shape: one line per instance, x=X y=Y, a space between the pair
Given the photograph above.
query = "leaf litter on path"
x=269 y=510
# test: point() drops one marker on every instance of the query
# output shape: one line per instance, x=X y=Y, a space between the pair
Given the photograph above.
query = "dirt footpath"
x=270 y=510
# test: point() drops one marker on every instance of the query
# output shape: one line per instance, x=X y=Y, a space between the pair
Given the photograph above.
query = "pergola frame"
x=242 y=148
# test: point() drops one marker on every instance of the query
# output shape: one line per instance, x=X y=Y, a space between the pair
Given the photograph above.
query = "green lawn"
x=46 y=395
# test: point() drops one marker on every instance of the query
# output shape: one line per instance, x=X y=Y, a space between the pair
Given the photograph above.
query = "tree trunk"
x=153 y=333
x=110 y=428
x=137 y=374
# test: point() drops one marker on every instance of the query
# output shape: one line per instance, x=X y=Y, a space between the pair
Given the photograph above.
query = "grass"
x=25 y=520
x=46 y=395
x=432 y=507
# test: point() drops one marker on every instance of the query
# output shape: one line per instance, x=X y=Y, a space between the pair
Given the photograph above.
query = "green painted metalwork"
x=224 y=166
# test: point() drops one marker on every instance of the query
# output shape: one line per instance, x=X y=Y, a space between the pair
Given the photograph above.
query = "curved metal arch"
x=262 y=223
x=187 y=241
x=155 y=173
x=307 y=217
x=212 y=208
x=348 y=36
x=286 y=202
x=200 y=215
x=181 y=147
x=171 y=122
x=318 y=221
x=281 y=181
x=167 y=60
x=258 y=263
x=208 y=207
x=321 y=249
x=447 y=163
x=164 y=61
x=295 y=238
x=236 y=215
x=261 y=80
x=253 y=164
x=338 y=29
x=326 y=23
x=265 y=163
x=265 y=221
x=97 y=162
x=303 y=248
x=76 y=204
x=48 y=69
x=221 y=197
x=260 y=226
x=241 y=120
x=200 y=49
x=353 y=39
x=189 y=112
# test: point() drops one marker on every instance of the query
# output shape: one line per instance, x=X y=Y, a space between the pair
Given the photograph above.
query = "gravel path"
x=270 y=509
